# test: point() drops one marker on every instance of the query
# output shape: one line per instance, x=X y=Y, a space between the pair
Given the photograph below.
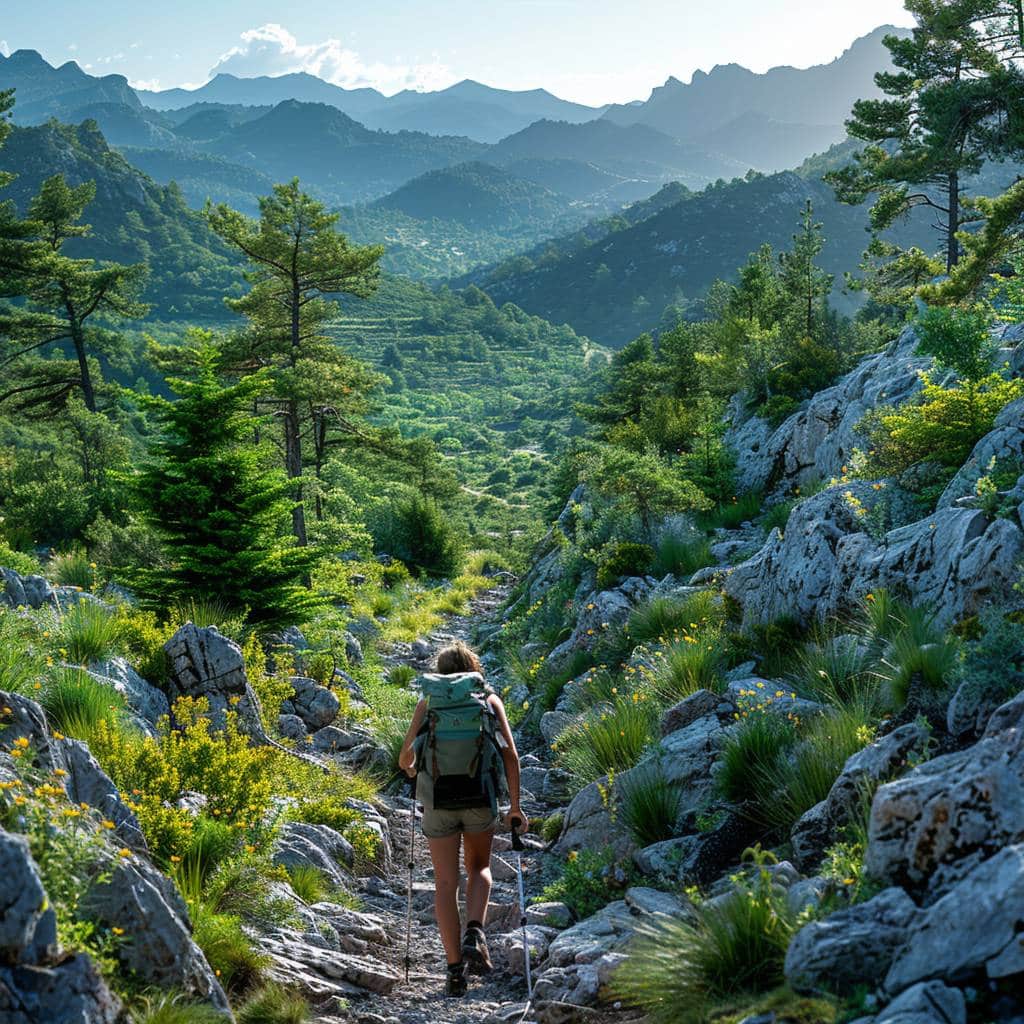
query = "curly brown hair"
x=458 y=657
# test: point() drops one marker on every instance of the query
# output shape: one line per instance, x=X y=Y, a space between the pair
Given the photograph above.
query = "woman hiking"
x=458 y=739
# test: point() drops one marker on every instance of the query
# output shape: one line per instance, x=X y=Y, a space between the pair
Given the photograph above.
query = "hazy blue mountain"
x=632 y=151
x=717 y=106
x=613 y=280
x=208 y=120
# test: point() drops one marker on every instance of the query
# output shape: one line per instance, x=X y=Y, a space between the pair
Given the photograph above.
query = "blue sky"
x=593 y=51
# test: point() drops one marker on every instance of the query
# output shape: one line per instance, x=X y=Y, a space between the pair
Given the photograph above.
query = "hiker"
x=457 y=744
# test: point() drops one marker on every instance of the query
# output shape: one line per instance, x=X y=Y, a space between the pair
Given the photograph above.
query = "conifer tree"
x=297 y=257
x=222 y=508
x=806 y=285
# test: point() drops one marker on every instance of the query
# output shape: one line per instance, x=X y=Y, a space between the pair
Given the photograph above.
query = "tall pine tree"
x=222 y=508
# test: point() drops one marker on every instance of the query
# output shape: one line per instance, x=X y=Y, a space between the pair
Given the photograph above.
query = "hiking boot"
x=455 y=984
x=474 y=950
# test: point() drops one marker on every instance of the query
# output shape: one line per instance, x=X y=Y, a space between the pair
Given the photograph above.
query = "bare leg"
x=477 y=854
x=444 y=853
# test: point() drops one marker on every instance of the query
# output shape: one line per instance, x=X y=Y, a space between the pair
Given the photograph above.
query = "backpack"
x=458 y=759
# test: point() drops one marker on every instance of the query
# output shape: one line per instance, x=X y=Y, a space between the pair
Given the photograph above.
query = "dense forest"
x=719 y=463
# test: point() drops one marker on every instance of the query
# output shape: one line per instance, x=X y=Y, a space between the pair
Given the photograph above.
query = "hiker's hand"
x=516 y=814
x=410 y=771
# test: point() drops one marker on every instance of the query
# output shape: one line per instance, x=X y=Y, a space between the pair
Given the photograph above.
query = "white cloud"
x=149 y=84
x=73 y=47
x=272 y=50
x=112 y=58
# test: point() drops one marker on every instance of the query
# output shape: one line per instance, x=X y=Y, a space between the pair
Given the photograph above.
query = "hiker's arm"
x=407 y=758
x=510 y=756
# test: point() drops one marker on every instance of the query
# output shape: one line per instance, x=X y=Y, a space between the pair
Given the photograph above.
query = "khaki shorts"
x=439 y=824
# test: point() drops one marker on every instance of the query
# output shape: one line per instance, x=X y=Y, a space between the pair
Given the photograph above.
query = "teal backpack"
x=458 y=760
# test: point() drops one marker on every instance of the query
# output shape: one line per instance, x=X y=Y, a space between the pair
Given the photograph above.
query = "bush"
x=75 y=703
x=610 y=740
x=676 y=971
x=417 y=532
x=73 y=568
x=681 y=556
x=273 y=1004
x=551 y=829
x=590 y=880
x=993 y=664
x=88 y=632
x=650 y=804
x=326 y=810
x=19 y=561
x=142 y=637
x=623 y=559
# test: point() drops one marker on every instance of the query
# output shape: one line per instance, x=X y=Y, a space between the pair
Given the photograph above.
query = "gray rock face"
x=874 y=763
x=158 y=942
x=325 y=973
x=970 y=709
x=507 y=948
x=817 y=441
x=27 y=721
x=292 y=727
x=70 y=992
x=697 y=705
x=318 y=846
x=28 y=932
x=851 y=947
x=952 y=561
x=928 y=829
x=332 y=740
x=687 y=757
x=17 y=591
x=976 y=927
x=205 y=664
x=926 y=1003
x=147 y=703
x=552 y=915
x=88 y=783
x=314 y=704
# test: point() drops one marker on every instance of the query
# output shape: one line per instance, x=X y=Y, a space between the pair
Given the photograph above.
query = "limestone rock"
x=507 y=948
x=926 y=1003
x=158 y=943
x=331 y=740
x=292 y=727
x=697 y=705
x=28 y=931
x=975 y=927
x=318 y=846
x=69 y=992
x=319 y=972
x=147 y=703
x=314 y=704
x=851 y=947
x=551 y=914
x=1004 y=441
x=17 y=591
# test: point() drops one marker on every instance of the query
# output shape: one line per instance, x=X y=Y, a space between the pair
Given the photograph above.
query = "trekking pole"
x=412 y=863
x=517 y=846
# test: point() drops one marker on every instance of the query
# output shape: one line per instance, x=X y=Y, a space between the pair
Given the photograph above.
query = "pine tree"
x=805 y=284
x=67 y=299
x=223 y=514
x=297 y=257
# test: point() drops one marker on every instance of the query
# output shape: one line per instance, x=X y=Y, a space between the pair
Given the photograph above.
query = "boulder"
x=147 y=703
x=643 y=901
x=852 y=947
x=420 y=650
x=551 y=914
x=353 y=649
x=23 y=719
x=71 y=991
x=17 y=591
x=319 y=846
x=928 y=1002
x=974 y=929
x=973 y=704
x=930 y=828
x=697 y=858
x=314 y=704
x=697 y=705
x=553 y=724
x=507 y=948
x=291 y=727
x=88 y=783
x=157 y=944
x=953 y=561
x=324 y=973
x=332 y=740
x=28 y=927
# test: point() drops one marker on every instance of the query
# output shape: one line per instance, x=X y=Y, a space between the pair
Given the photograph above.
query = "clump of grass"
x=918 y=654
x=75 y=703
x=308 y=882
x=663 y=618
x=173 y=1008
x=676 y=971
x=551 y=829
x=732 y=514
x=204 y=612
x=608 y=740
x=681 y=556
x=88 y=632
x=693 y=663
x=21 y=663
x=750 y=757
x=73 y=568
x=777 y=516
x=650 y=804
x=836 y=672
x=401 y=676
x=273 y=1004
x=484 y=563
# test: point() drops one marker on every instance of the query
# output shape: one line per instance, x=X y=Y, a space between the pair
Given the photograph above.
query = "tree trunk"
x=953 y=223
x=88 y=395
x=293 y=466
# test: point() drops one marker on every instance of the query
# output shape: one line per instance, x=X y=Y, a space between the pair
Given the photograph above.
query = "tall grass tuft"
x=681 y=556
x=88 y=632
x=692 y=664
x=402 y=676
x=75 y=703
x=273 y=1004
x=650 y=804
x=608 y=740
x=21 y=663
x=666 y=618
x=308 y=882
x=732 y=514
x=173 y=1008
x=836 y=671
x=750 y=756
x=73 y=569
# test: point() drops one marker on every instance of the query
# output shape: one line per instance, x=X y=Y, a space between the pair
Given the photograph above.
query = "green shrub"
x=308 y=882
x=692 y=664
x=650 y=804
x=21 y=663
x=606 y=741
x=590 y=880
x=551 y=829
x=624 y=558
x=73 y=568
x=75 y=703
x=19 y=561
x=681 y=556
x=732 y=514
x=273 y=1004
x=993 y=663
x=142 y=637
x=675 y=972
x=417 y=532
x=88 y=632
x=402 y=676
